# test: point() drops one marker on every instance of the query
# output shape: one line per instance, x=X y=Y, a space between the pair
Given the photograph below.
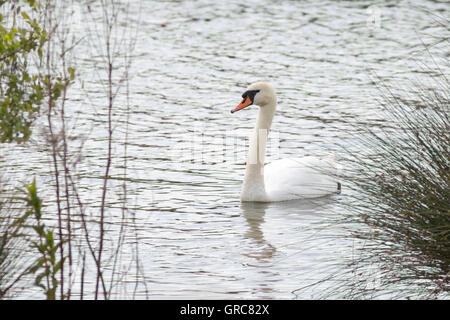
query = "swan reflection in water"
x=292 y=212
x=254 y=213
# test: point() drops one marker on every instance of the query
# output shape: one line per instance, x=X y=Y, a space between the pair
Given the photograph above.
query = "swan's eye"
x=247 y=100
x=250 y=93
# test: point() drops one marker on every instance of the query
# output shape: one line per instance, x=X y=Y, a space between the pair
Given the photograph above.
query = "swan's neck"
x=253 y=188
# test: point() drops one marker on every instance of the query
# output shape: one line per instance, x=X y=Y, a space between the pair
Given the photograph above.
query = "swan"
x=284 y=179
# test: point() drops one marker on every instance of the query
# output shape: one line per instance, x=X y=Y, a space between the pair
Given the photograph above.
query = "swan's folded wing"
x=298 y=178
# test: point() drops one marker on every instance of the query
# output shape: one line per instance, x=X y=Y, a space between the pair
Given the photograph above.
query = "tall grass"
x=402 y=194
x=396 y=205
x=14 y=264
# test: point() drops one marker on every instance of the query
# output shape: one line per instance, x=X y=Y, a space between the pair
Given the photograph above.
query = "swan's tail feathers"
x=339 y=188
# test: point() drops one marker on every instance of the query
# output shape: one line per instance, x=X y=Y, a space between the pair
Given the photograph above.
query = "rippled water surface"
x=186 y=152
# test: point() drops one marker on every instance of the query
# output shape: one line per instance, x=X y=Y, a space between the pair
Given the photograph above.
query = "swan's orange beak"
x=244 y=103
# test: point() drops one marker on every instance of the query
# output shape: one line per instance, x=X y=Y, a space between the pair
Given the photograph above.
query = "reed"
x=405 y=185
x=14 y=264
x=396 y=205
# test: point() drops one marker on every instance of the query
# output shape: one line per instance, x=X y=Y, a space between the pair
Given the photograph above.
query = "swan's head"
x=258 y=93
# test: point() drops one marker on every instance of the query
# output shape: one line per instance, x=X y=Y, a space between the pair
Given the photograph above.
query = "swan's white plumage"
x=299 y=178
x=285 y=179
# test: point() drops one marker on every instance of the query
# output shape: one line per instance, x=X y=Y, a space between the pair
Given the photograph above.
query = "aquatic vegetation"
x=402 y=192
x=13 y=262
x=47 y=266
x=397 y=211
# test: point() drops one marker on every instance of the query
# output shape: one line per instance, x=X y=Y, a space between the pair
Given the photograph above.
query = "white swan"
x=285 y=179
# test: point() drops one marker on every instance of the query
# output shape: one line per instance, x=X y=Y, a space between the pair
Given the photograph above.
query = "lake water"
x=186 y=153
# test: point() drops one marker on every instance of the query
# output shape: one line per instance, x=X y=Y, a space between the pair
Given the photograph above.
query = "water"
x=191 y=63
